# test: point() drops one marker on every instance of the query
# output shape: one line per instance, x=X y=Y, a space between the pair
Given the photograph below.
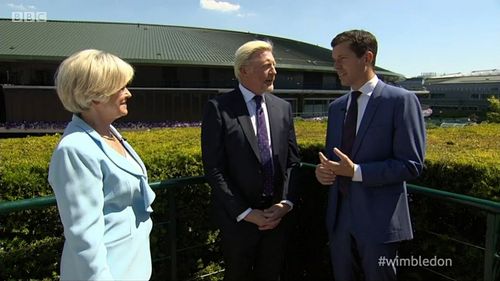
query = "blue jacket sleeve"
x=406 y=161
x=76 y=179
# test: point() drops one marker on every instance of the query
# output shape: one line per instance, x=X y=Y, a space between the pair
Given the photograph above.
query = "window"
x=315 y=107
x=293 y=103
x=437 y=96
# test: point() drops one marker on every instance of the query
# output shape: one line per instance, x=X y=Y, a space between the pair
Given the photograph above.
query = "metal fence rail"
x=170 y=185
x=492 y=209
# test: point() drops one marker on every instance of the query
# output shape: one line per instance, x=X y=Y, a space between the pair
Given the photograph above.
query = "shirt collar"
x=368 y=87
x=248 y=95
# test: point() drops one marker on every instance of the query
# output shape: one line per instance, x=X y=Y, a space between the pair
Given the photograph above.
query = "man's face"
x=351 y=69
x=259 y=73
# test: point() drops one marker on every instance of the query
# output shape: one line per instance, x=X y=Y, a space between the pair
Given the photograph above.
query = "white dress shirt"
x=251 y=106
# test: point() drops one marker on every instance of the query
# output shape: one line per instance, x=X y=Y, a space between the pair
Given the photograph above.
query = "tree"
x=493 y=114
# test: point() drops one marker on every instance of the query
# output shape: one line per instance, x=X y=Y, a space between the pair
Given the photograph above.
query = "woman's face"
x=116 y=106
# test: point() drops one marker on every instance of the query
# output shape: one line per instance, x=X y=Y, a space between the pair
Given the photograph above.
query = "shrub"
x=493 y=114
x=462 y=160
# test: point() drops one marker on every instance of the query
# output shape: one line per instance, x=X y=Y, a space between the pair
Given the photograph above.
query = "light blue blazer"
x=104 y=203
x=390 y=149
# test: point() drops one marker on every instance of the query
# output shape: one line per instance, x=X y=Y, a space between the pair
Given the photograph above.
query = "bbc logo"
x=29 y=16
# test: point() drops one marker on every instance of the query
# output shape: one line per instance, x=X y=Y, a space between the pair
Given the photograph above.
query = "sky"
x=414 y=36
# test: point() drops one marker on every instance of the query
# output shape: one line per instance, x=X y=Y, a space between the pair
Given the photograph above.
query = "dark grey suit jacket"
x=231 y=157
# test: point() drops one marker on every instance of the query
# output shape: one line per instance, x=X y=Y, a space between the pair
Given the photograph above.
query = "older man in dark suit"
x=249 y=151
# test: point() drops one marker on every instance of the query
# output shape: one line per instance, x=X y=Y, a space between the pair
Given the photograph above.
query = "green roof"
x=150 y=44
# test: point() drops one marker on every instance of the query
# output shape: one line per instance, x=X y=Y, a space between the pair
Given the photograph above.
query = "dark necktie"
x=348 y=136
x=264 y=148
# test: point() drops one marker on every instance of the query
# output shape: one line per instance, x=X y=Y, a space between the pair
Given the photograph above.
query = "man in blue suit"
x=375 y=142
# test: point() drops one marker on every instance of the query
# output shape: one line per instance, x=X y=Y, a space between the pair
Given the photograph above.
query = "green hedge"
x=462 y=160
x=450 y=151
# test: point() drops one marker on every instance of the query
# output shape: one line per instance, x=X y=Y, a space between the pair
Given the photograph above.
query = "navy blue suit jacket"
x=390 y=149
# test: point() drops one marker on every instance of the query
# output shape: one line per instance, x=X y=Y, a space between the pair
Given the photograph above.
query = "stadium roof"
x=150 y=44
x=470 y=79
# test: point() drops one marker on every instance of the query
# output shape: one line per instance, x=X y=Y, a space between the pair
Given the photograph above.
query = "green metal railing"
x=491 y=267
x=169 y=185
x=492 y=209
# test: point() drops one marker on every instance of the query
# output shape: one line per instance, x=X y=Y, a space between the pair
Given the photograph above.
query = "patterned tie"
x=348 y=136
x=264 y=148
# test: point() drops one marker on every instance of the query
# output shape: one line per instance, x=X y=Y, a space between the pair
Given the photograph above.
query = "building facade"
x=177 y=69
x=457 y=95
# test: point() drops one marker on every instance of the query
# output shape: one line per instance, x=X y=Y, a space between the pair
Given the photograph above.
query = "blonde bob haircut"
x=90 y=75
x=244 y=54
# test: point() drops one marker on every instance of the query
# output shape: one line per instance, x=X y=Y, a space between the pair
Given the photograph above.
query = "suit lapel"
x=118 y=159
x=274 y=117
x=339 y=118
x=336 y=116
x=113 y=156
x=370 y=110
x=129 y=149
x=241 y=111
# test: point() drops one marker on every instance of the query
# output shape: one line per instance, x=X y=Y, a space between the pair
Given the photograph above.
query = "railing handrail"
x=44 y=201
x=492 y=208
x=483 y=204
x=50 y=200
x=177 y=182
x=23 y=204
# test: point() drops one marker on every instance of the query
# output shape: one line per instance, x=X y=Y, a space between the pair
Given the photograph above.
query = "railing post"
x=491 y=257
x=172 y=226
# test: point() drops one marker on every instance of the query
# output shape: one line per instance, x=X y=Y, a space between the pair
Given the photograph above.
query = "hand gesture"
x=324 y=171
x=345 y=167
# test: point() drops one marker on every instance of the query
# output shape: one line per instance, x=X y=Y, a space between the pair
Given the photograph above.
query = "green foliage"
x=24 y=166
x=30 y=244
x=493 y=114
x=447 y=231
x=463 y=160
x=474 y=144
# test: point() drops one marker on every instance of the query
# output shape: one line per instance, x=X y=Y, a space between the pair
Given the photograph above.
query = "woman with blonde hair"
x=100 y=182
